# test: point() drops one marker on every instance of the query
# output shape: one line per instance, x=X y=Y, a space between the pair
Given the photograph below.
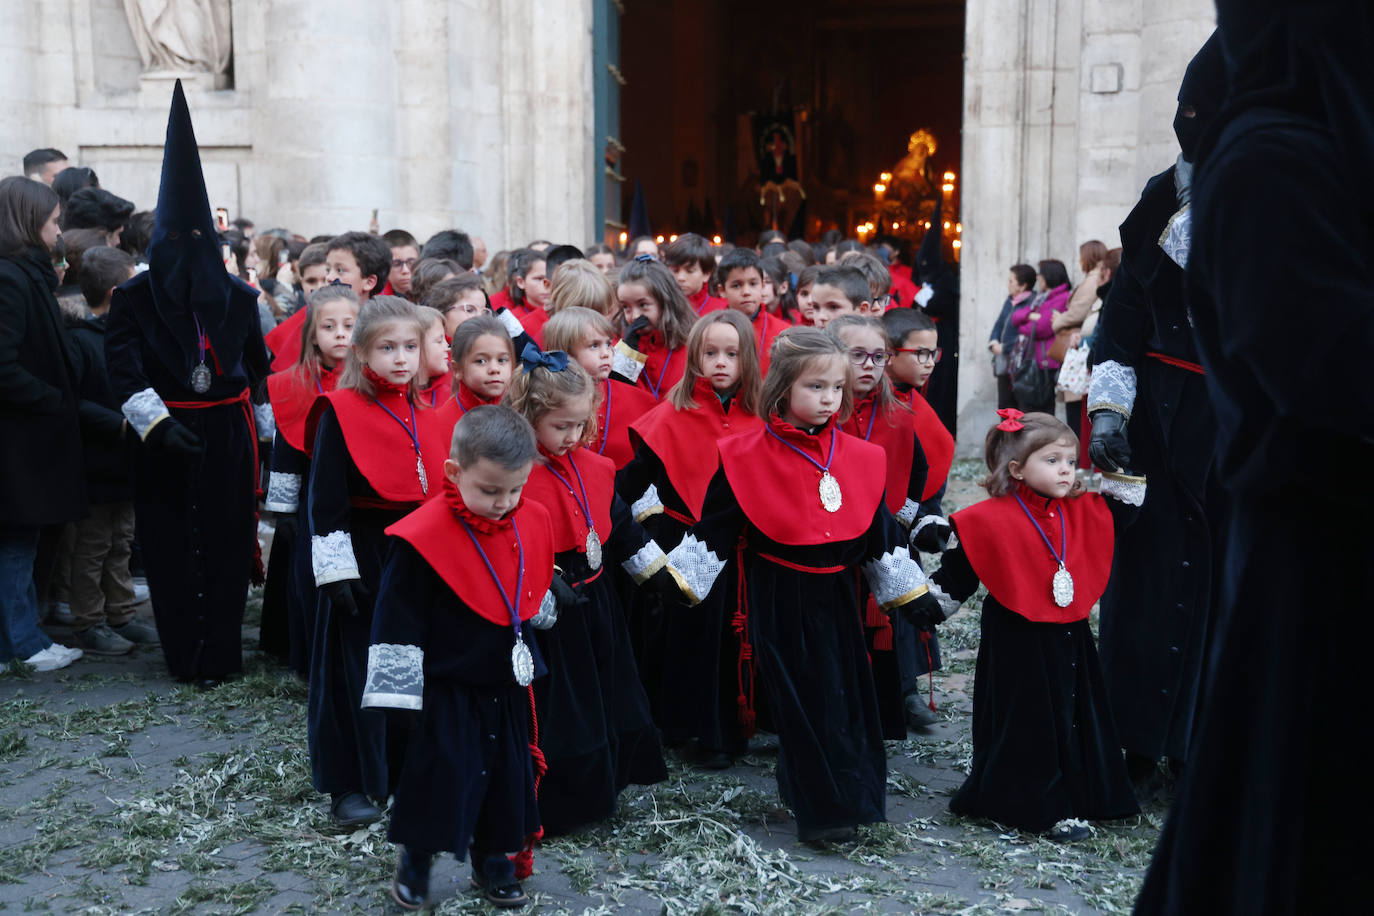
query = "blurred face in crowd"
x=561 y=429
x=469 y=304
x=48 y=171
x=536 y=285
x=50 y=232
x=690 y=277
x=594 y=354
x=636 y=300
x=862 y=342
x=313 y=277
x=720 y=360
x=647 y=246
x=915 y=359
x=745 y=290
x=828 y=302
x=604 y=262
x=436 y=351
x=334 y=330
x=479 y=252
x=403 y=260
x=342 y=266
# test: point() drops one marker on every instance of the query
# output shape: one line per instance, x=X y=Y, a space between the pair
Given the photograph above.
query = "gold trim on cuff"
x=647 y=572
x=687 y=592
x=909 y=597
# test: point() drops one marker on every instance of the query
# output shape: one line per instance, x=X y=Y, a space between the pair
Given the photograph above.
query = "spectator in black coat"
x=41 y=480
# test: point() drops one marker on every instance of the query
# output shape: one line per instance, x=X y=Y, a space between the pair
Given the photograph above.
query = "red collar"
x=892 y=430
x=292 y=391
x=620 y=405
x=285 y=340
x=936 y=442
x=555 y=485
x=1010 y=557
x=679 y=438
x=662 y=367
x=437 y=391
x=777 y=488
x=436 y=533
x=380 y=446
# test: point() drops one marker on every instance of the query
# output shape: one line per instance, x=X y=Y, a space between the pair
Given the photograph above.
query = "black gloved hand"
x=169 y=436
x=637 y=329
x=564 y=595
x=1108 y=447
x=345 y=595
x=663 y=586
x=924 y=612
x=932 y=536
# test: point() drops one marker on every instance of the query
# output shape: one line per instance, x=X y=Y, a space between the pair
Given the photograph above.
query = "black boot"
x=919 y=715
x=410 y=888
x=495 y=875
x=353 y=809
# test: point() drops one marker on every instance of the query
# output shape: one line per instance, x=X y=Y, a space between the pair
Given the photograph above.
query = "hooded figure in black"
x=184 y=348
x=1151 y=416
x=939 y=297
x=1272 y=813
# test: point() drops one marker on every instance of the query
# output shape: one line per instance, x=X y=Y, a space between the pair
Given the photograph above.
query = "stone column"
x=20 y=103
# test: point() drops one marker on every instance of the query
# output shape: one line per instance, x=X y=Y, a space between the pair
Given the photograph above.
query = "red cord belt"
x=1176 y=362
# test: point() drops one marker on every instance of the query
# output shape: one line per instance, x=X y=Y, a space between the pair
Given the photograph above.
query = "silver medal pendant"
x=200 y=379
x=593 y=549
x=522 y=662
x=831 y=498
x=424 y=479
x=1062 y=587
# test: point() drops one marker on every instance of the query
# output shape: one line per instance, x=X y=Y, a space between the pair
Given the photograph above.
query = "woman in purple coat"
x=1034 y=322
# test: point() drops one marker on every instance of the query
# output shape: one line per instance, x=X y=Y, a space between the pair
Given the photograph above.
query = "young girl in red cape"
x=797 y=506
x=653 y=352
x=901 y=654
x=288 y=600
x=596 y=733
x=435 y=379
x=483 y=358
x=695 y=688
x=378 y=455
x=1045 y=753
x=589 y=338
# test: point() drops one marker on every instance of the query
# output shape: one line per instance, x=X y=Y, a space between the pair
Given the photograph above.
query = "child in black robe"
x=467 y=575
x=1045 y=752
x=798 y=506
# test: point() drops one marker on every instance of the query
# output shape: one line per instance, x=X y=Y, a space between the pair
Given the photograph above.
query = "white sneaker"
x=53 y=657
x=60 y=612
x=141 y=593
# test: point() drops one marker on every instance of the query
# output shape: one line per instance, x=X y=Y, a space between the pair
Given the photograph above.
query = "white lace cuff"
x=512 y=324
x=626 y=362
x=1112 y=388
x=395 y=676
x=283 y=492
x=695 y=568
x=265 y=420
x=1123 y=488
x=648 y=504
x=895 y=578
x=647 y=561
x=331 y=557
x=907 y=514
x=1178 y=237
x=947 y=604
x=548 y=612
x=929 y=520
x=144 y=411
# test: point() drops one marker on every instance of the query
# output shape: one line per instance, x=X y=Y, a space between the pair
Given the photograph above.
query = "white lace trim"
x=953 y=542
x=895 y=578
x=931 y=520
x=648 y=504
x=947 y=604
x=283 y=492
x=1112 y=388
x=143 y=411
x=1178 y=237
x=648 y=560
x=626 y=362
x=907 y=514
x=331 y=557
x=395 y=676
x=548 y=612
x=512 y=324
x=1128 y=490
x=265 y=420
x=695 y=568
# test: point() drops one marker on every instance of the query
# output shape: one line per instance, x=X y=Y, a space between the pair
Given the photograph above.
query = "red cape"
x=703 y=302
x=903 y=289
x=767 y=327
x=292 y=397
x=564 y=504
x=662 y=367
x=435 y=533
x=533 y=322
x=439 y=390
x=682 y=440
x=1011 y=559
x=936 y=442
x=285 y=340
x=776 y=487
x=380 y=449
x=448 y=413
x=893 y=431
x=501 y=300
x=621 y=405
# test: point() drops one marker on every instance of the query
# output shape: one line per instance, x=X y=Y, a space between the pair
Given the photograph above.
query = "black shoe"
x=919 y=715
x=410 y=887
x=1068 y=831
x=353 y=809
x=506 y=893
x=817 y=836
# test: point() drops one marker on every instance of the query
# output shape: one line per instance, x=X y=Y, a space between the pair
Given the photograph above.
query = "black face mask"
x=1200 y=96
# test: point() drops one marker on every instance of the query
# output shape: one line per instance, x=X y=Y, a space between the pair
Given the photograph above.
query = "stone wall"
x=1068 y=110
x=475 y=113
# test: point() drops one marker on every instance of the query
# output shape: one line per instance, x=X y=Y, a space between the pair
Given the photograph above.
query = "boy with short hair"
x=467 y=574
x=361 y=260
x=741 y=279
x=101 y=593
x=879 y=281
x=312 y=269
x=285 y=339
x=913 y=337
x=692 y=261
x=840 y=289
x=405 y=254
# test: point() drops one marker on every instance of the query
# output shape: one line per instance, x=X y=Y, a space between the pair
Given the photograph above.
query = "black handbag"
x=1031 y=383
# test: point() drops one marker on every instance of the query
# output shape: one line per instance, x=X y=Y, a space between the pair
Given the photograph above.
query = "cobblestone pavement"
x=122 y=791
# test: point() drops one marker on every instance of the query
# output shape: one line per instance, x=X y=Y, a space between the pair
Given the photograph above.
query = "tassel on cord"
x=930 y=666
x=744 y=665
x=876 y=619
x=524 y=859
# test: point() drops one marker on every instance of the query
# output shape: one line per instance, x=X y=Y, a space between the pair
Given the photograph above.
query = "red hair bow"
x=1011 y=418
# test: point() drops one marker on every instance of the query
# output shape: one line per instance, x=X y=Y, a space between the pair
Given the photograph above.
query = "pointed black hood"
x=1203 y=92
x=185 y=270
